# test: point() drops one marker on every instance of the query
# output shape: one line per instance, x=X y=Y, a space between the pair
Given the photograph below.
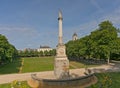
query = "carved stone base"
x=61 y=63
x=61 y=67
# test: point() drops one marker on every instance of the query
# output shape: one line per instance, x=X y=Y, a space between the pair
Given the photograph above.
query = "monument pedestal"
x=61 y=64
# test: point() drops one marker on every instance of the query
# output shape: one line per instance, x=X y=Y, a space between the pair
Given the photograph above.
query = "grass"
x=35 y=64
x=74 y=65
x=8 y=85
x=38 y=64
x=12 y=67
x=47 y=63
x=110 y=80
x=5 y=86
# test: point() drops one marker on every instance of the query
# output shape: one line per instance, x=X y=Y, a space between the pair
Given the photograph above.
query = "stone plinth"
x=61 y=63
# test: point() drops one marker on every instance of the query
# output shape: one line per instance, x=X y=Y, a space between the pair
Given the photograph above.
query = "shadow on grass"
x=12 y=67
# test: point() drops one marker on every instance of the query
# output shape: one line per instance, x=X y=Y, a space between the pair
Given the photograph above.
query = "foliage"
x=7 y=51
x=15 y=84
x=19 y=84
x=35 y=53
x=11 y=67
x=103 y=43
x=107 y=80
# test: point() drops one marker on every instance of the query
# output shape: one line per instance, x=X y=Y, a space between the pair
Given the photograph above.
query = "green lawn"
x=37 y=64
x=74 y=65
x=12 y=67
x=5 y=86
x=110 y=80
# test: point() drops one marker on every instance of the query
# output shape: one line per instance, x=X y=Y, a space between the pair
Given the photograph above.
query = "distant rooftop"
x=74 y=34
x=44 y=47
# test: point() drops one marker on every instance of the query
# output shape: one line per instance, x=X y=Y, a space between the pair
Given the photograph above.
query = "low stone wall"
x=79 y=82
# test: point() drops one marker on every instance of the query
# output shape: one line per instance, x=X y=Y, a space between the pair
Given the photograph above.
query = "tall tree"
x=101 y=43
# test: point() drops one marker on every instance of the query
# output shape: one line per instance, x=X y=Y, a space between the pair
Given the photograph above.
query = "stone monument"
x=61 y=63
x=61 y=77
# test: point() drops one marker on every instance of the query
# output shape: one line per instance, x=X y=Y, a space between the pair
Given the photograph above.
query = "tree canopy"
x=35 y=53
x=103 y=43
x=7 y=51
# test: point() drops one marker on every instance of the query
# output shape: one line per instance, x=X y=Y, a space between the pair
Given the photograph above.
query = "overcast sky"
x=31 y=23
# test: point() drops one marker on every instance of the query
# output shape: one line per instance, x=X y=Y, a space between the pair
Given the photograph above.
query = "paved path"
x=50 y=74
x=21 y=77
x=26 y=76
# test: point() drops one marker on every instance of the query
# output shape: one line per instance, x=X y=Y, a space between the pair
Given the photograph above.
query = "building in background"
x=74 y=37
x=44 y=48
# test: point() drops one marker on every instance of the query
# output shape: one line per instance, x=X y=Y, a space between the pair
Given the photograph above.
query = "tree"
x=108 y=37
x=52 y=52
x=103 y=43
x=46 y=53
x=41 y=53
x=7 y=51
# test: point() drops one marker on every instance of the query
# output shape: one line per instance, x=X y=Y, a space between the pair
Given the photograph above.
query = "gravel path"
x=50 y=74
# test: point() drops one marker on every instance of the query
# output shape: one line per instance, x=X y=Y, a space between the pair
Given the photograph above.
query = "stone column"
x=61 y=63
x=60 y=27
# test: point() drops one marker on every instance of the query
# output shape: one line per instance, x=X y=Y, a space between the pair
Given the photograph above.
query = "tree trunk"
x=108 y=60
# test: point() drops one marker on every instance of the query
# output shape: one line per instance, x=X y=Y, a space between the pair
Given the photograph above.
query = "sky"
x=31 y=23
